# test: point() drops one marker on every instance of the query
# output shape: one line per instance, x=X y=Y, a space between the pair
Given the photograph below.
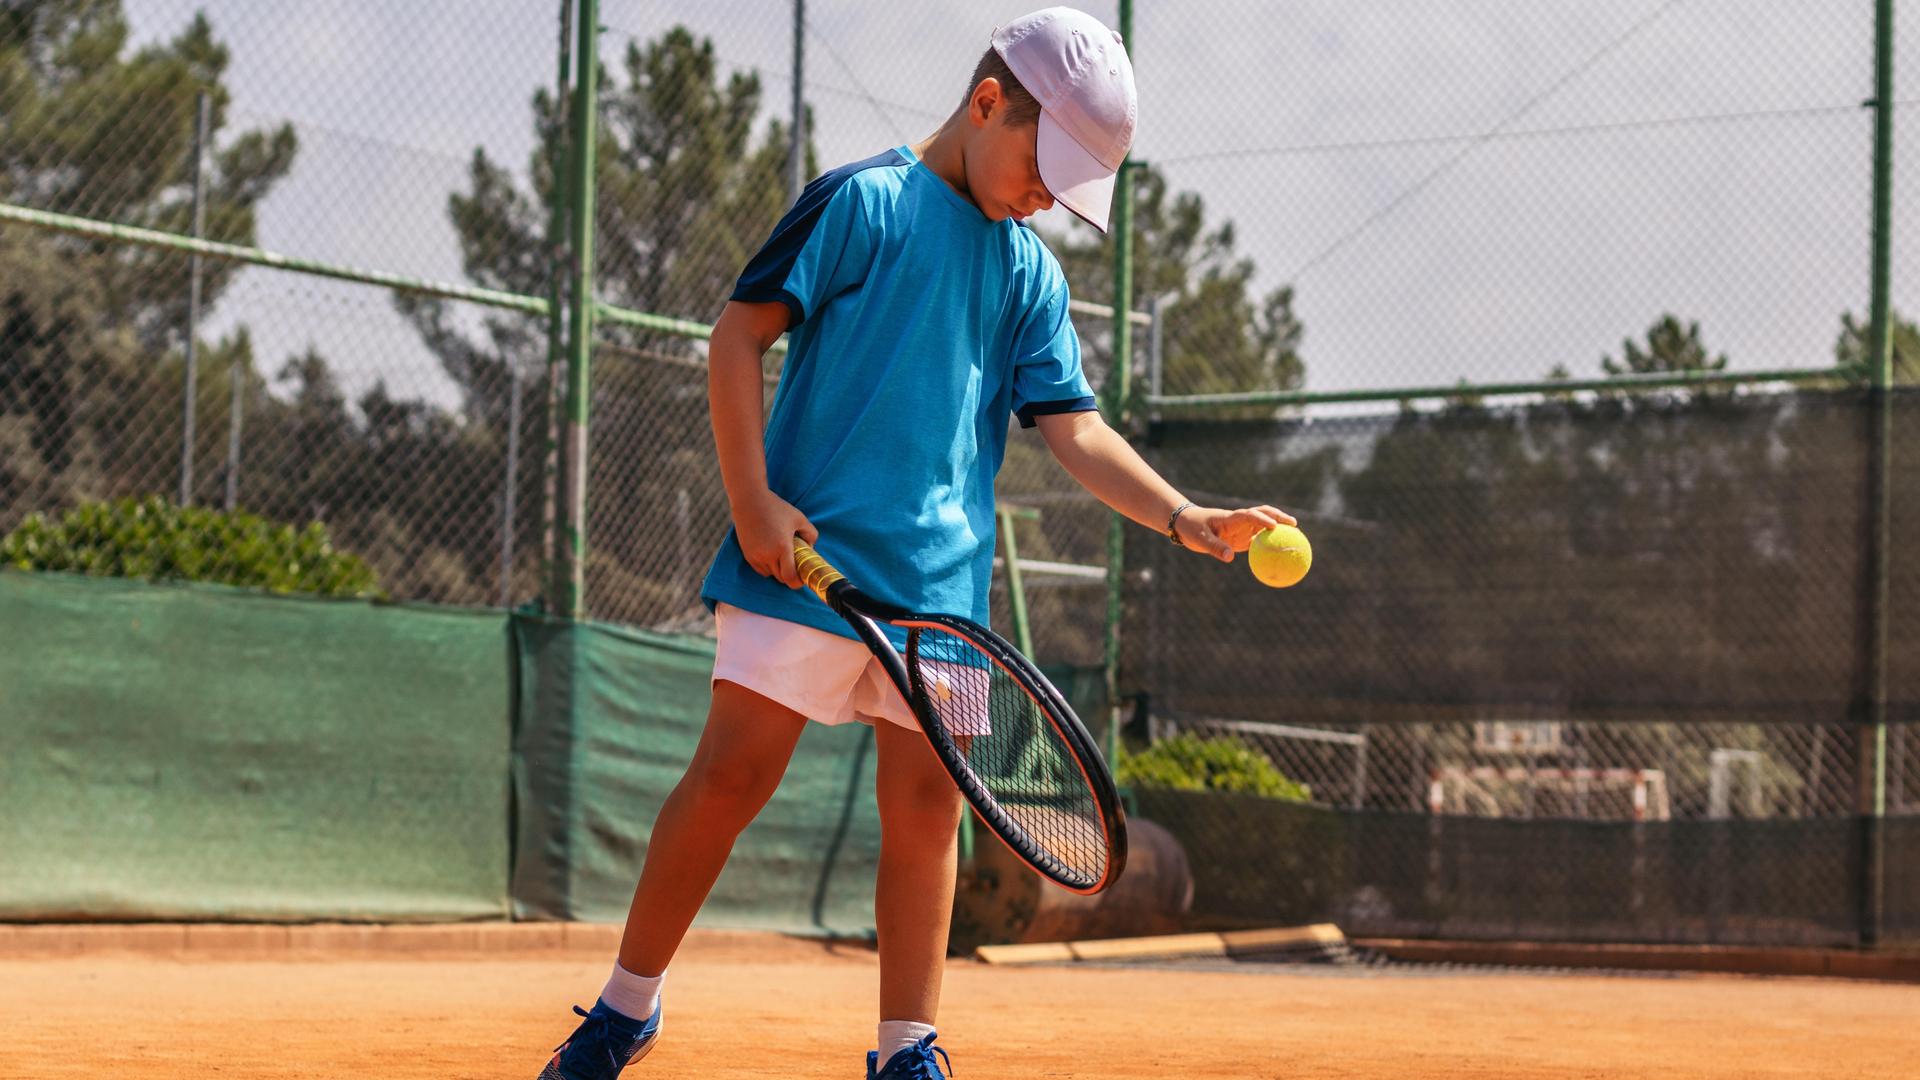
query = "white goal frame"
x=1467 y=789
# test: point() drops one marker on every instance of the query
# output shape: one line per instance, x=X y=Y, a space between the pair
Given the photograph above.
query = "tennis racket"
x=1021 y=758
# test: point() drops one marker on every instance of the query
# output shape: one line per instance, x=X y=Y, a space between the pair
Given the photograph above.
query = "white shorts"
x=826 y=677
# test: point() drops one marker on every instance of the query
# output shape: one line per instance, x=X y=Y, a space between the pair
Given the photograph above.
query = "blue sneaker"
x=603 y=1044
x=916 y=1062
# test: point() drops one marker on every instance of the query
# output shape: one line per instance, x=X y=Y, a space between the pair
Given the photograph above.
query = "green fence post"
x=797 y=138
x=1873 y=742
x=202 y=132
x=1016 y=585
x=557 y=225
x=1119 y=393
x=571 y=558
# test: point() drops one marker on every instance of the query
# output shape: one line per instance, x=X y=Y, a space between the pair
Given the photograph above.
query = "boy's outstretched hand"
x=765 y=527
x=1221 y=533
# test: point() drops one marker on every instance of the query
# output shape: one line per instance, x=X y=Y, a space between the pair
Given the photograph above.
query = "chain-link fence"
x=1572 y=769
x=1496 y=192
x=1379 y=874
x=1635 y=612
x=1643 y=615
x=412 y=427
x=695 y=170
x=1633 y=559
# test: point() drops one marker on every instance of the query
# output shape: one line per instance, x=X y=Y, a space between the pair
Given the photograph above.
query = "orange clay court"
x=754 y=1005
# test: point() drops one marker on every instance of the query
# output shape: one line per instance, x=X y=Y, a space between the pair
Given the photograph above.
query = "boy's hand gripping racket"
x=1019 y=755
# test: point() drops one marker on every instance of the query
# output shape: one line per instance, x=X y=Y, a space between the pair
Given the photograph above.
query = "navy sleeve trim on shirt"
x=758 y=294
x=765 y=278
x=1033 y=409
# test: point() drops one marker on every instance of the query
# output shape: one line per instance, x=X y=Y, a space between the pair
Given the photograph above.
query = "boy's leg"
x=743 y=753
x=913 y=898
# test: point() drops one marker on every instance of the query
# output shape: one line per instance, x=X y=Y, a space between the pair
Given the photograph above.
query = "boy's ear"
x=987 y=100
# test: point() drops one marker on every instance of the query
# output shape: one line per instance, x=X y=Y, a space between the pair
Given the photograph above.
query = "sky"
x=1468 y=189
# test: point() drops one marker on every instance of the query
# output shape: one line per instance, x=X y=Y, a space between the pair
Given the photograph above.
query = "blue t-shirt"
x=917 y=328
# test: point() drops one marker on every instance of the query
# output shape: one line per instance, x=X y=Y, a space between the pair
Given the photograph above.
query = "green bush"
x=156 y=540
x=1190 y=763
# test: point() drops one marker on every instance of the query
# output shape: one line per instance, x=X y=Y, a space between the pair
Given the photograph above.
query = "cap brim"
x=1076 y=179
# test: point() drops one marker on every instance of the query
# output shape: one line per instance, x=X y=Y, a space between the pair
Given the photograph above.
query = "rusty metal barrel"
x=1000 y=901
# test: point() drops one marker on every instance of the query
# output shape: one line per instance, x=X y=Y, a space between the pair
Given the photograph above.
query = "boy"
x=923 y=318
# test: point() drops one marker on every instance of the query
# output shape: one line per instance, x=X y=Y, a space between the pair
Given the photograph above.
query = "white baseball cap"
x=1078 y=71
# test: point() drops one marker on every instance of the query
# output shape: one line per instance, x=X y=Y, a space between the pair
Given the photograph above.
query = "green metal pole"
x=557 y=225
x=1016 y=588
x=1880 y=486
x=167 y=241
x=797 y=136
x=191 y=403
x=1119 y=394
x=1662 y=380
x=665 y=324
x=1881 y=321
x=536 y=305
x=1017 y=605
x=571 y=559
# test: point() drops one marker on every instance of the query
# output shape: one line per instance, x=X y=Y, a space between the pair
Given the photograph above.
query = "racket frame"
x=864 y=614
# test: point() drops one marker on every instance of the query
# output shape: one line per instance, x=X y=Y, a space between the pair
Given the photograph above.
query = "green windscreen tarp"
x=1787 y=882
x=196 y=752
x=607 y=721
x=1653 y=559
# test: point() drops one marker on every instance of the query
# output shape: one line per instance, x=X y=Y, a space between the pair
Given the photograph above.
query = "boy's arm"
x=1104 y=464
x=764 y=523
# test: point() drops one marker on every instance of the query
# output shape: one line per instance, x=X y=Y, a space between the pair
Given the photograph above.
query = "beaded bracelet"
x=1174 y=517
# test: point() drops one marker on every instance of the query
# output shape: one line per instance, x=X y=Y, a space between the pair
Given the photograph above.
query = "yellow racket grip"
x=815 y=572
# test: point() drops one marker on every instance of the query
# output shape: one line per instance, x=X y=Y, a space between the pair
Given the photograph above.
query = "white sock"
x=897 y=1035
x=633 y=996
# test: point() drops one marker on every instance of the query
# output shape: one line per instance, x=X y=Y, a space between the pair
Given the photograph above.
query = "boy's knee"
x=730 y=788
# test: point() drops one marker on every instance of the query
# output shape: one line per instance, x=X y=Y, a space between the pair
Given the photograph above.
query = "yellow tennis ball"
x=1280 y=556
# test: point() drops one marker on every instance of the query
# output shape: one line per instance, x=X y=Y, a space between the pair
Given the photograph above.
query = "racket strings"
x=1016 y=754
